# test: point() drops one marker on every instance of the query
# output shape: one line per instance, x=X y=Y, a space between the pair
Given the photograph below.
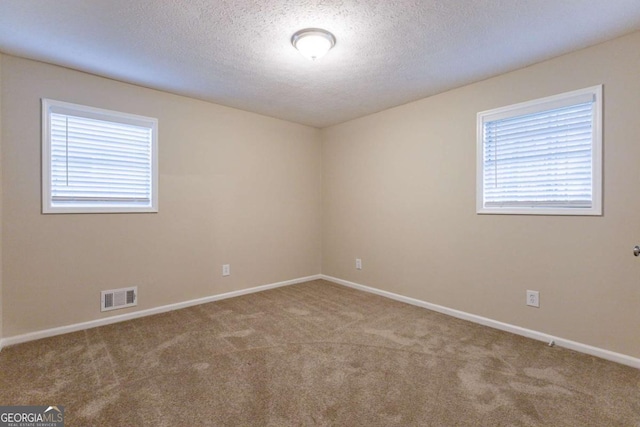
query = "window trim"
x=52 y=106
x=529 y=107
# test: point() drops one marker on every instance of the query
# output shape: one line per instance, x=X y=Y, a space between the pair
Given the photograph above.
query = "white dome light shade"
x=313 y=43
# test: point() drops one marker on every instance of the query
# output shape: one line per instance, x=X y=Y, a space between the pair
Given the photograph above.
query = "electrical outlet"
x=533 y=298
x=358 y=264
x=226 y=270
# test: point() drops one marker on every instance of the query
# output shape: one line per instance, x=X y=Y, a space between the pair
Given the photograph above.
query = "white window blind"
x=542 y=157
x=98 y=160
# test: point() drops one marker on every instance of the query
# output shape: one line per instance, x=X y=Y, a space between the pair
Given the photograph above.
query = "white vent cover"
x=118 y=298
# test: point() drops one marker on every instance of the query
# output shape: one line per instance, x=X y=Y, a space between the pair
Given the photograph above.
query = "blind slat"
x=542 y=159
x=99 y=162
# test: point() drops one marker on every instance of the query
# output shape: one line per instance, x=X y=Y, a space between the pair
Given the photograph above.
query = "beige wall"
x=1 y=180
x=235 y=187
x=399 y=192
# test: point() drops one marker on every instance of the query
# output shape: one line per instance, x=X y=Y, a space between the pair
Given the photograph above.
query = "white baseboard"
x=561 y=342
x=529 y=333
x=17 y=339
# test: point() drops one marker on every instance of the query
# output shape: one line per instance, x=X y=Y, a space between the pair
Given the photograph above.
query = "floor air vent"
x=118 y=298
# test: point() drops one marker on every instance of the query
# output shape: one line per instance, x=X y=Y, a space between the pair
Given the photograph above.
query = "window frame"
x=50 y=106
x=539 y=105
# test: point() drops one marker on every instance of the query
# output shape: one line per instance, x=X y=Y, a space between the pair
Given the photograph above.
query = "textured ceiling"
x=238 y=52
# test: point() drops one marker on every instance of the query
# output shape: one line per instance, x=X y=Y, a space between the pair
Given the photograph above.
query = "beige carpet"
x=314 y=354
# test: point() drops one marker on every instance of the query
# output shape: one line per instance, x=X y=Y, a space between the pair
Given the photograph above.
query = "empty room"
x=320 y=213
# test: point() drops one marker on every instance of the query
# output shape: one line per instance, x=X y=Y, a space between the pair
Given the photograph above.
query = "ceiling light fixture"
x=313 y=43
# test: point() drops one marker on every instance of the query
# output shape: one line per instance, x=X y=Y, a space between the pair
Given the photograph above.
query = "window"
x=542 y=157
x=96 y=160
